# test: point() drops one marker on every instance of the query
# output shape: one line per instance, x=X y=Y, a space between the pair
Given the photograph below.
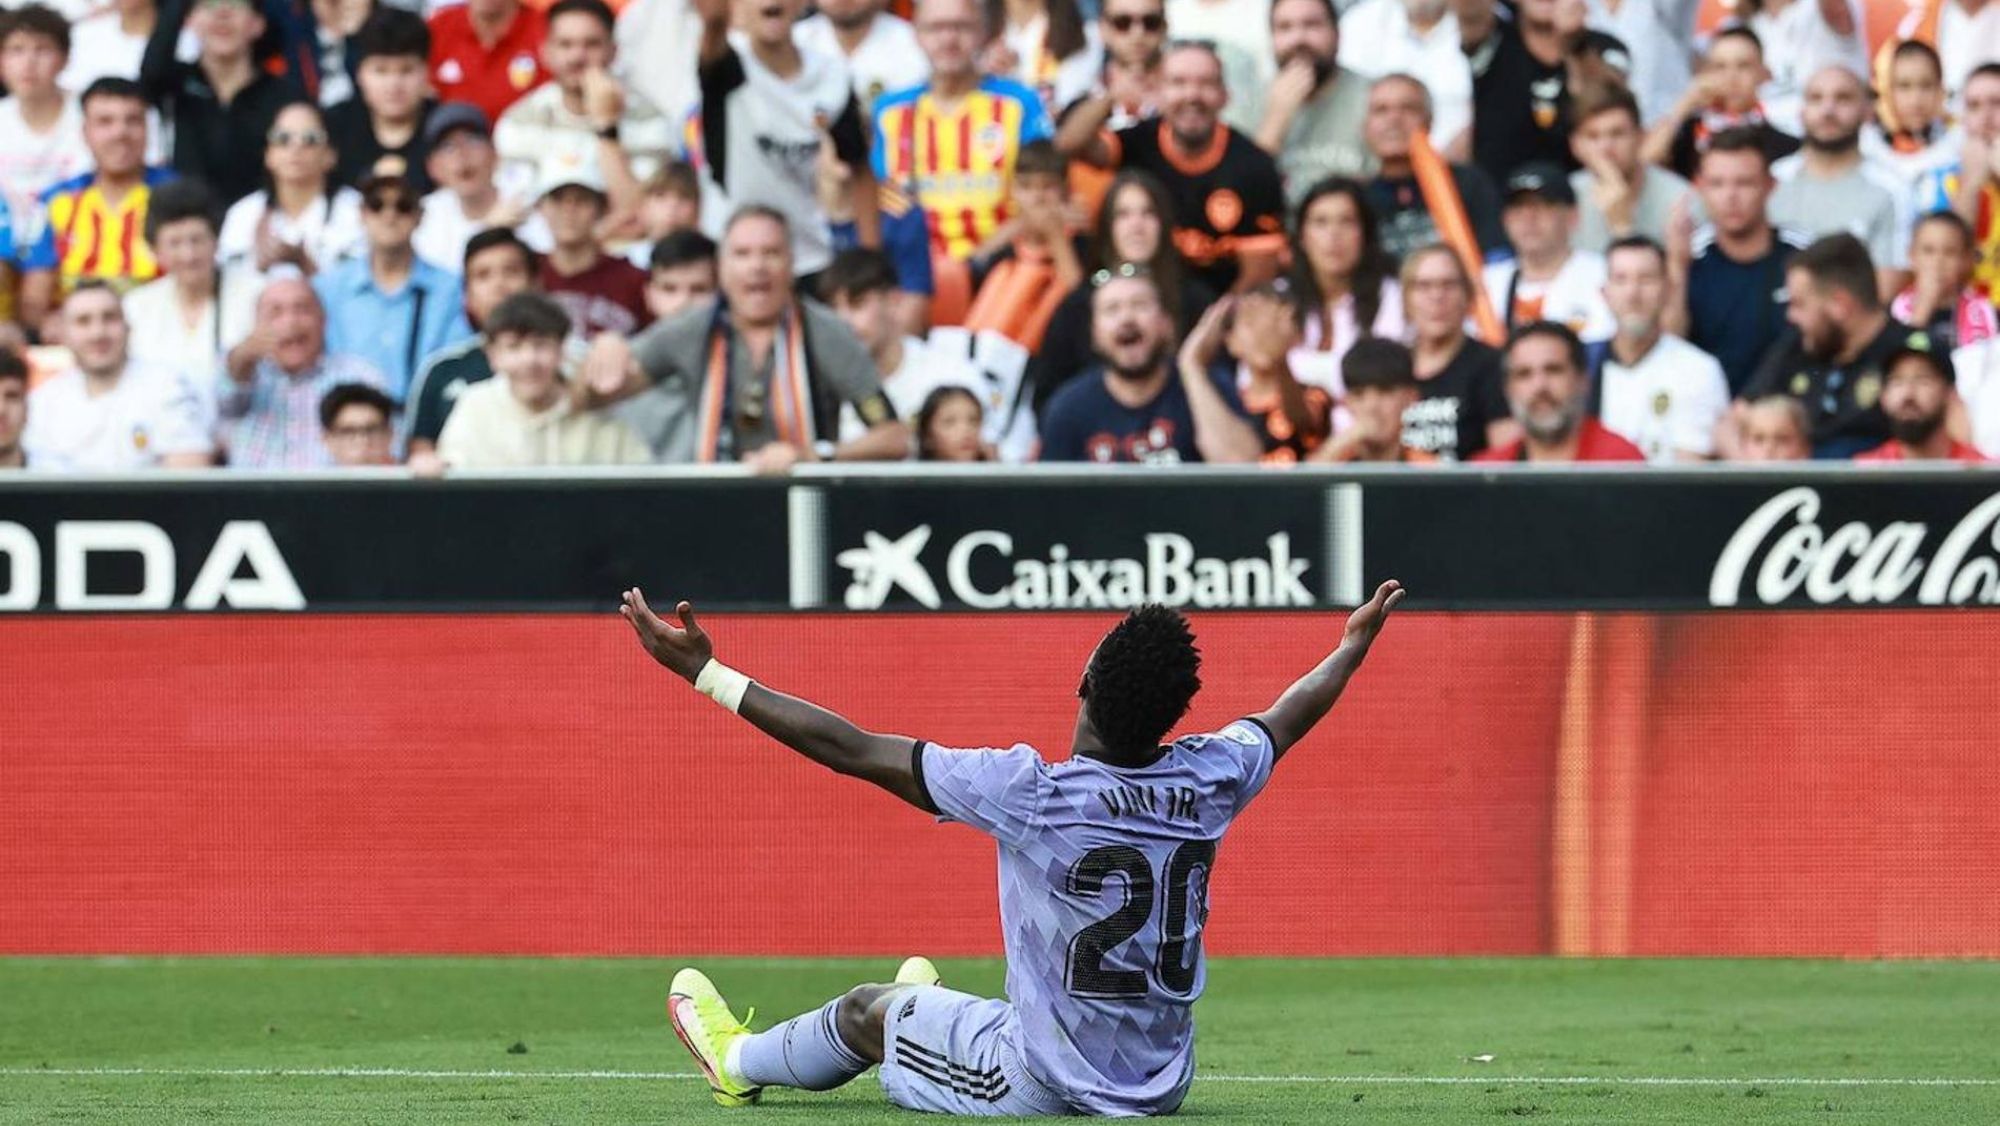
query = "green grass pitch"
x=1281 y=1041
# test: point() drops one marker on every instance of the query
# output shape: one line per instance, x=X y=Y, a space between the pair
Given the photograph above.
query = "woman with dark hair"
x=948 y=426
x=1045 y=45
x=302 y=218
x=1342 y=278
x=1134 y=224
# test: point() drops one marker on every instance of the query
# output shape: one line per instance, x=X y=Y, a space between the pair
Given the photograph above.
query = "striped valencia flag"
x=1454 y=226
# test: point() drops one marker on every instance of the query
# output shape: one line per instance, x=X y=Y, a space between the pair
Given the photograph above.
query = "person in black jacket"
x=221 y=105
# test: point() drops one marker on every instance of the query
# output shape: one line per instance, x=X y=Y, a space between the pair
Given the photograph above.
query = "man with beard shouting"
x=1131 y=409
x=1548 y=386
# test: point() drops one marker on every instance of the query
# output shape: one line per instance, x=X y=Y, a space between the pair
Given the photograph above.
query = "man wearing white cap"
x=600 y=292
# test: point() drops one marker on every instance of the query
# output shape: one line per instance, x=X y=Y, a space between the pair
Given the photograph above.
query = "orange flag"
x=1455 y=228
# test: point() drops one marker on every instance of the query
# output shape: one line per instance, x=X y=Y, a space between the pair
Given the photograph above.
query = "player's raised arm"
x=809 y=729
x=1309 y=698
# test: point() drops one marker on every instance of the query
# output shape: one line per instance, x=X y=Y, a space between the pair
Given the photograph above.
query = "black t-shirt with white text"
x=1458 y=403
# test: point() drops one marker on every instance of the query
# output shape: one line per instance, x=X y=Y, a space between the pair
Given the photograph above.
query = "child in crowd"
x=1722 y=96
x=1941 y=299
x=670 y=203
x=1913 y=136
x=948 y=426
x=681 y=272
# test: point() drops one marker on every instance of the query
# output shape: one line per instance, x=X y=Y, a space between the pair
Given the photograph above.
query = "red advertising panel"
x=1816 y=783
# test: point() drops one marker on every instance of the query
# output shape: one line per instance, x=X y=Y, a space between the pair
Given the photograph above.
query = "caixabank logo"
x=985 y=569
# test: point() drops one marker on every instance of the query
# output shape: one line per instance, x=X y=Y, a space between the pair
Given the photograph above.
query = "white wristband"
x=722 y=684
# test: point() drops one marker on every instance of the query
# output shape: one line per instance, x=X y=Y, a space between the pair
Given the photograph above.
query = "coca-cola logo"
x=1793 y=555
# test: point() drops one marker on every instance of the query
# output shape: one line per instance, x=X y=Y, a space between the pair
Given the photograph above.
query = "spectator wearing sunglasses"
x=1125 y=88
x=221 y=105
x=301 y=218
x=390 y=307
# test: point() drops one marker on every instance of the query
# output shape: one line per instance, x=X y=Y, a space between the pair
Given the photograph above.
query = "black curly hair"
x=1141 y=680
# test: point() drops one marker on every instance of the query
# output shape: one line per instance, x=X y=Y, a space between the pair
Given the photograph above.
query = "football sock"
x=805 y=1052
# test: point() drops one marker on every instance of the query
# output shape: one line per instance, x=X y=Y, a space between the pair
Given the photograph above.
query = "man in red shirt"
x=487 y=52
x=1548 y=389
x=1915 y=395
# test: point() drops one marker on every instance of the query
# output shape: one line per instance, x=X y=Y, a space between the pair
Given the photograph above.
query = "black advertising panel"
x=385 y=544
x=878 y=540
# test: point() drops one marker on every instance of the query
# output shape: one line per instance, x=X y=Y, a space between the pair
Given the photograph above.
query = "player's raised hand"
x=684 y=649
x=1367 y=621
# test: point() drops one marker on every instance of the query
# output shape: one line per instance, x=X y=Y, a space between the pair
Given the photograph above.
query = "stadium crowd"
x=294 y=234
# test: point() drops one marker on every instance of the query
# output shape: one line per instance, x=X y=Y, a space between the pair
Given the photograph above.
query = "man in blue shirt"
x=390 y=307
x=1132 y=408
x=1732 y=270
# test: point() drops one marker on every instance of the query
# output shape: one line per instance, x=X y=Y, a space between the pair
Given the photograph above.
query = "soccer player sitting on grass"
x=1105 y=861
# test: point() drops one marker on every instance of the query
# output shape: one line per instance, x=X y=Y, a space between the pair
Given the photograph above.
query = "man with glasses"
x=758 y=375
x=358 y=422
x=220 y=106
x=956 y=138
x=1127 y=91
x=388 y=306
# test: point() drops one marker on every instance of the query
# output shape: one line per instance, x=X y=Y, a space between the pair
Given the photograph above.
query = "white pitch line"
x=1328 y=1080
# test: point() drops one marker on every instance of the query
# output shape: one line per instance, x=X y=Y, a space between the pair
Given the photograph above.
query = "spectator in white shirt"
x=41 y=126
x=1968 y=35
x=110 y=413
x=1979 y=388
x=1418 y=38
x=667 y=34
x=302 y=219
x=109 y=44
x=1923 y=140
x=880 y=48
x=13 y=408
x=1656 y=390
x=1801 y=38
x=860 y=285
x=1549 y=279
x=186 y=319
x=469 y=199
x=583 y=112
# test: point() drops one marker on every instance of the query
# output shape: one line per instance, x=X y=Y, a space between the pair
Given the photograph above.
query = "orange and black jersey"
x=1228 y=198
